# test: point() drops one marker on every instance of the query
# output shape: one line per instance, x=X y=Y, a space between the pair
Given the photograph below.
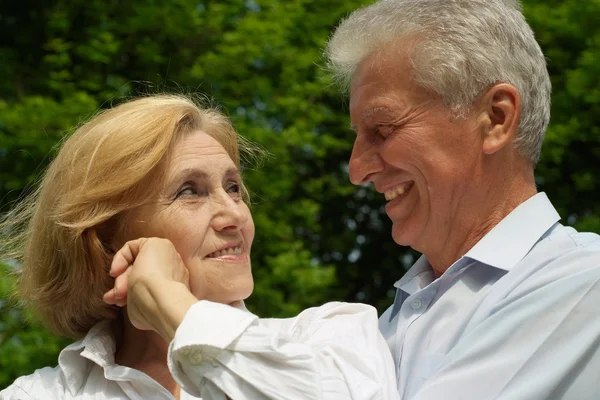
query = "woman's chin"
x=244 y=293
x=231 y=295
x=239 y=304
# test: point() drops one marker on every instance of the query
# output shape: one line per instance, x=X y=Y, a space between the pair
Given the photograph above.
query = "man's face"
x=421 y=158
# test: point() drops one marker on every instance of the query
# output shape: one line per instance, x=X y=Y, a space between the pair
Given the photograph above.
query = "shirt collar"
x=98 y=346
x=502 y=247
x=510 y=241
x=417 y=277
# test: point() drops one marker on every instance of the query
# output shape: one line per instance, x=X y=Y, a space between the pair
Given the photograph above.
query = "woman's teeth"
x=231 y=250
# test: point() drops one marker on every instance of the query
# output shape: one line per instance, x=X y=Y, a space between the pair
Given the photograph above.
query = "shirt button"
x=195 y=358
x=416 y=303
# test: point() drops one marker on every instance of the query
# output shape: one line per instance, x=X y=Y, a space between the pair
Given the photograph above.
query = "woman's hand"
x=155 y=259
x=152 y=280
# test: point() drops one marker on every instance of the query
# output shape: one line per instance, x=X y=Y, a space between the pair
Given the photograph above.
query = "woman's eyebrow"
x=233 y=172
x=196 y=173
x=187 y=173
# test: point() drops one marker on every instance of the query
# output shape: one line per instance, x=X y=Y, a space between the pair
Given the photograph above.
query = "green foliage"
x=569 y=34
x=23 y=344
x=318 y=237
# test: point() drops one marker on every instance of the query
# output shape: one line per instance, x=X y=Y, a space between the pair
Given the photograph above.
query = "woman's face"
x=201 y=211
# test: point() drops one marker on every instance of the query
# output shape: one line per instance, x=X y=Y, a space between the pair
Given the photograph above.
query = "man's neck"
x=474 y=220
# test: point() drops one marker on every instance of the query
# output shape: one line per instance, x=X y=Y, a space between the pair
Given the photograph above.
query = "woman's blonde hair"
x=61 y=233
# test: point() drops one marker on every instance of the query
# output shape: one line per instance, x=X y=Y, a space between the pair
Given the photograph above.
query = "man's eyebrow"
x=369 y=113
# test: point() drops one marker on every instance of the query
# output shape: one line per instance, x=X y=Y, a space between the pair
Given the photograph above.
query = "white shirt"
x=517 y=317
x=330 y=352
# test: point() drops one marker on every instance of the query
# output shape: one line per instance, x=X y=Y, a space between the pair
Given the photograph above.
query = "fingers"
x=109 y=297
x=119 y=269
x=118 y=294
x=125 y=256
x=156 y=256
x=121 y=285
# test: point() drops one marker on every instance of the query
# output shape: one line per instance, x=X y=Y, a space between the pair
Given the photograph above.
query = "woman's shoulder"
x=80 y=371
x=44 y=383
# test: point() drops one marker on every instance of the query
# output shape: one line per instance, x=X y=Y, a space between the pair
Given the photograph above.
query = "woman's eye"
x=187 y=191
x=234 y=188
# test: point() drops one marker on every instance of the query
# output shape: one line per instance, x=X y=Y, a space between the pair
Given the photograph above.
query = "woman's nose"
x=228 y=214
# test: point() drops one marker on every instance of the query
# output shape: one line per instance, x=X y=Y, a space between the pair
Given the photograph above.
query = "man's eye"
x=385 y=130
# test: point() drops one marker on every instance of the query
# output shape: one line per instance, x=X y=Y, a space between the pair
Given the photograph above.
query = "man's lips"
x=398 y=190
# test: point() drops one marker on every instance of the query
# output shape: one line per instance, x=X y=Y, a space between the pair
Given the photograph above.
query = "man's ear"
x=501 y=111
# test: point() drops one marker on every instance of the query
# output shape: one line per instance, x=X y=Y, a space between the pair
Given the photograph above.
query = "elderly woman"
x=137 y=244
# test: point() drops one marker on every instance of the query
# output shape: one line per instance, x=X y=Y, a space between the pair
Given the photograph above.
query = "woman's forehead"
x=197 y=153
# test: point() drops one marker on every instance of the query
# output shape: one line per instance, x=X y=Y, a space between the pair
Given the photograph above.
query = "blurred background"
x=318 y=237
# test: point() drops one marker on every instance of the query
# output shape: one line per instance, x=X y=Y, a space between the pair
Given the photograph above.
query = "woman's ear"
x=501 y=110
x=110 y=234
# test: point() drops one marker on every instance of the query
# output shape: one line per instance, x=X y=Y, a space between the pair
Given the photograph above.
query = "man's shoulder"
x=565 y=247
x=563 y=263
x=573 y=237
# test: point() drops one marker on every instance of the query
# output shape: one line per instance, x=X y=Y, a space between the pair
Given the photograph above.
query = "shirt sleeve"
x=542 y=342
x=330 y=352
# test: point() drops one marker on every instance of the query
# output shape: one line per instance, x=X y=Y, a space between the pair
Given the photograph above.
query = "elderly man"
x=450 y=100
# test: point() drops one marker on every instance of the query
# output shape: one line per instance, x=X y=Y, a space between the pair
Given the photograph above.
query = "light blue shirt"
x=517 y=317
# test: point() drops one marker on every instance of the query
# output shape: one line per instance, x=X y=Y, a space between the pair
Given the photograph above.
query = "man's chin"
x=401 y=235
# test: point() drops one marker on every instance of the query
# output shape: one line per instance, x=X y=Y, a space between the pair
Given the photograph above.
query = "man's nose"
x=364 y=161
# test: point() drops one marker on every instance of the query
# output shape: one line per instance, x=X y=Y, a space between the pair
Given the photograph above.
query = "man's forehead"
x=373 y=92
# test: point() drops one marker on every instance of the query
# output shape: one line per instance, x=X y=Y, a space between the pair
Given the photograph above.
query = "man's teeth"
x=231 y=250
x=392 y=194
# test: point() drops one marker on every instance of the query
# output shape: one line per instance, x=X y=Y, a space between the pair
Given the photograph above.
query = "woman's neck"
x=145 y=351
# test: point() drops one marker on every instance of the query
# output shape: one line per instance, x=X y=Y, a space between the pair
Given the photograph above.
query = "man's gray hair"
x=464 y=47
